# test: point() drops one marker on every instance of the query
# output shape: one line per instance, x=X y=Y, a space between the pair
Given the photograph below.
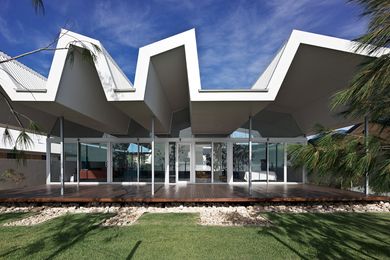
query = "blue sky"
x=236 y=39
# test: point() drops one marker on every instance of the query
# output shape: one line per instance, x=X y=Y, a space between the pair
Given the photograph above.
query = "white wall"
x=38 y=140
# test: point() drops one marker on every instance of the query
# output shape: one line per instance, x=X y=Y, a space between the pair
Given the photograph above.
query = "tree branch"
x=12 y=109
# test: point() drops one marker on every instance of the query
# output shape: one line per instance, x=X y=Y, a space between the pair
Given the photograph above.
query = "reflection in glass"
x=124 y=159
x=184 y=162
x=55 y=163
x=294 y=174
x=159 y=162
x=240 y=161
x=70 y=174
x=219 y=162
x=276 y=162
x=259 y=163
x=145 y=160
x=172 y=162
x=203 y=163
x=93 y=159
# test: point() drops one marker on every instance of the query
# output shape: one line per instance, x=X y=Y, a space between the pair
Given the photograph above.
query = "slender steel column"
x=62 y=156
x=366 y=186
x=152 y=161
x=267 y=156
x=78 y=162
x=48 y=159
x=138 y=159
x=250 y=156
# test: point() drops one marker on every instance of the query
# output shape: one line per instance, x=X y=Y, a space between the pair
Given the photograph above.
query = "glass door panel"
x=159 y=162
x=203 y=163
x=93 y=159
x=145 y=162
x=184 y=162
x=172 y=162
x=219 y=162
x=276 y=162
x=259 y=162
x=240 y=161
x=124 y=159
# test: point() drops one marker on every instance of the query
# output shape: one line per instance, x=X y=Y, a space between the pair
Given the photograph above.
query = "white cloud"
x=237 y=46
x=130 y=25
x=6 y=33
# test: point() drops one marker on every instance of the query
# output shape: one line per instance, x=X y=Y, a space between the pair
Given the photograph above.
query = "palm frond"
x=7 y=137
x=34 y=127
x=377 y=35
x=39 y=7
x=24 y=141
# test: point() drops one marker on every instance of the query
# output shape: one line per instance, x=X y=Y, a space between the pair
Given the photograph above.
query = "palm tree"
x=369 y=92
x=349 y=156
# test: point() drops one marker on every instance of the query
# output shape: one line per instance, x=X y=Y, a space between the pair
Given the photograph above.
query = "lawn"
x=177 y=236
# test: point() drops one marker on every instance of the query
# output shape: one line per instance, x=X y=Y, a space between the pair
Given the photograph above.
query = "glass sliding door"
x=55 y=163
x=294 y=174
x=240 y=161
x=203 y=162
x=93 y=162
x=219 y=162
x=259 y=162
x=70 y=174
x=184 y=162
x=145 y=162
x=70 y=157
x=172 y=162
x=159 y=162
x=276 y=162
x=125 y=160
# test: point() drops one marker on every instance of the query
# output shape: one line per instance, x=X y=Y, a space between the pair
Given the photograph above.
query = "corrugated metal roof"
x=25 y=79
x=120 y=79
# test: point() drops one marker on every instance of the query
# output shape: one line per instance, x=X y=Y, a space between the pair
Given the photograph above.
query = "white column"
x=109 y=162
x=212 y=162
x=152 y=161
x=166 y=162
x=62 y=155
x=366 y=186
x=138 y=160
x=177 y=162
x=229 y=160
x=48 y=159
x=250 y=156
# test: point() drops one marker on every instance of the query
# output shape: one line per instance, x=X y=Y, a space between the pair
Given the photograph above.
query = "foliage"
x=348 y=156
x=12 y=176
x=345 y=157
x=369 y=91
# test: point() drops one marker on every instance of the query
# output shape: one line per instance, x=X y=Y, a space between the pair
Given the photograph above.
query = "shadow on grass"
x=330 y=236
x=56 y=236
x=8 y=217
x=132 y=252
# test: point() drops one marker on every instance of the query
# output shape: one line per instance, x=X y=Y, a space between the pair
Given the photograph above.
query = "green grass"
x=8 y=217
x=177 y=236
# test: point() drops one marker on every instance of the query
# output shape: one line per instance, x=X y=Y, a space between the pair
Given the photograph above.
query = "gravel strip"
x=215 y=215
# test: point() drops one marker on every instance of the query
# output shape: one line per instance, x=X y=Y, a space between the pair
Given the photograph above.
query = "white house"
x=165 y=127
